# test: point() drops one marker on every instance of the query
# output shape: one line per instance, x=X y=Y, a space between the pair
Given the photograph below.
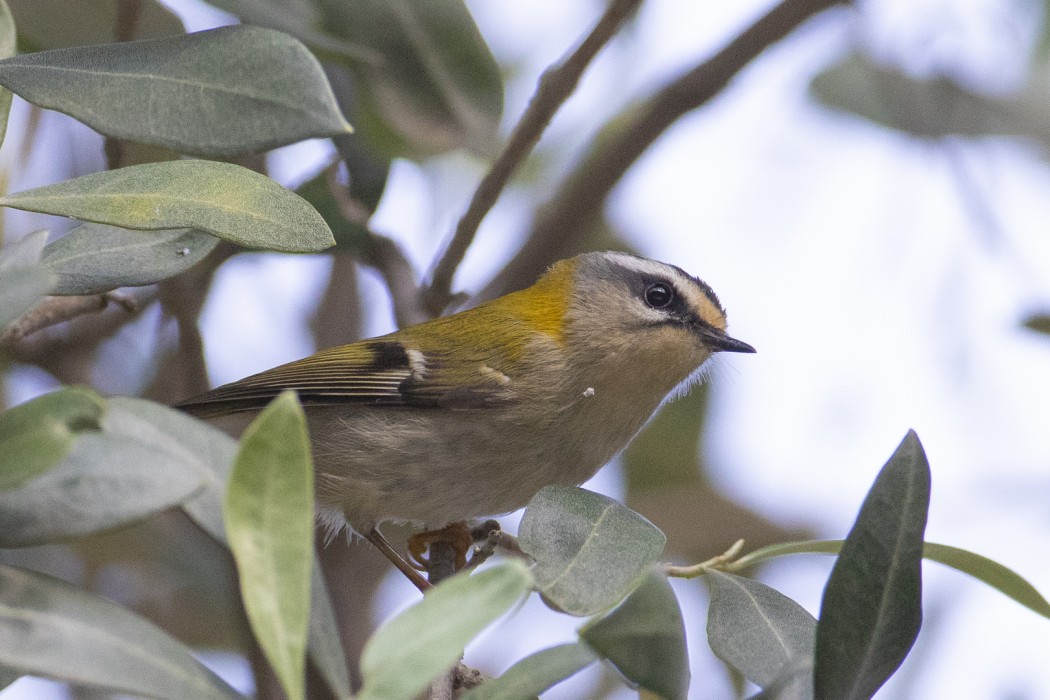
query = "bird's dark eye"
x=658 y=295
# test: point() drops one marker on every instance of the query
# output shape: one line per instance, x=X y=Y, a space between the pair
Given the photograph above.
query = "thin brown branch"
x=384 y=255
x=559 y=227
x=54 y=310
x=555 y=86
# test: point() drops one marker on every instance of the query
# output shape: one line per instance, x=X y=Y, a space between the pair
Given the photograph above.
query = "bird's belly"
x=433 y=467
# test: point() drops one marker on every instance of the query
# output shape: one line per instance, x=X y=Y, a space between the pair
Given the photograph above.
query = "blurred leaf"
x=411 y=650
x=94 y=258
x=8 y=39
x=323 y=642
x=52 y=24
x=147 y=458
x=49 y=628
x=269 y=513
x=228 y=201
x=427 y=81
x=38 y=434
x=645 y=638
x=1005 y=580
x=1040 y=323
x=24 y=252
x=535 y=674
x=872 y=607
x=8 y=675
x=20 y=289
x=349 y=235
x=590 y=551
x=756 y=629
x=220 y=92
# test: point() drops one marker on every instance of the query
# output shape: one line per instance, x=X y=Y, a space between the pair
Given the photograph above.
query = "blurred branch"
x=579 y=201
x=384 y=255
x=555 y=86
x=54 y=310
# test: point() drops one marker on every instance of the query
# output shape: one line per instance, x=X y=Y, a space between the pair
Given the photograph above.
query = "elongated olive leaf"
x=38 y=434
x=1040 y=323
x=47 y=628
x=205 y=509
x=645 y=638
x=217 y=93
x=323 y=643
x=535 y=674
x=225 y=200
x=590 y=551
x=269 y=513
x=756 y=629
x=999 y=577
x=146 y=458
x=412 y=649
x=8 y=39
x=8 y=676
x=95 y=258
x=872 y=606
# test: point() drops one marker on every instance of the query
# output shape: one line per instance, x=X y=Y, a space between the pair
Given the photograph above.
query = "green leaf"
x=1040 y=323
x=535 y=674
x=218 y=93
x=795 y=683
x=349 y=235
x=270 y=522
x=94 y=258
x=50 y=628
x=51 y=24
x=755 y=629
x=8 y=39
x=146 y=458
x=37 y=435
x=228 y=201
x=983 y=569
x=323 y=642
x=590 y=551
x=411 y=650
x=645 y=638
x=8 y=675
x=872 y=606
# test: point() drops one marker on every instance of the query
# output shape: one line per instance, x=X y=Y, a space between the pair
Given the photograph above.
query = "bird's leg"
x=457 y=534
x=377 y=539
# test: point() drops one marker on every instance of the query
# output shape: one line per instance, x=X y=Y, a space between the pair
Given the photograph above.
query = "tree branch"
x=54 y=310
x=579 y=202
x=555 y=86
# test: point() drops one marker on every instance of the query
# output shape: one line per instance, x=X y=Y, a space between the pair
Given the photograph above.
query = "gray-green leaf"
x=590 y=551
x=146 y=458
x=756 y=629
x=20 y=289
x=999 y=577
x=8 y=38
x=269 y=515
x=645 y=638
x=226 y=200
x=94 y=258
x=872 y=607
x=218 y=93
x=52 y=629
x=535 y=673
x=412 y=649
x=37 y=435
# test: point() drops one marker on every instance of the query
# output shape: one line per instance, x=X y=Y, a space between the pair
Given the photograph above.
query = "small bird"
x=469 y=415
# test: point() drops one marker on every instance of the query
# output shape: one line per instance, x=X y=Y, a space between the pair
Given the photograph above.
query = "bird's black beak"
x=720 y=342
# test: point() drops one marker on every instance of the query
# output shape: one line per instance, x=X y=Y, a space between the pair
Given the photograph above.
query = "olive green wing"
x=382 y=372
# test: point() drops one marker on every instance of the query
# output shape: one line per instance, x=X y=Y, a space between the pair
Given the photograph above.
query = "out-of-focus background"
x=869 y=197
